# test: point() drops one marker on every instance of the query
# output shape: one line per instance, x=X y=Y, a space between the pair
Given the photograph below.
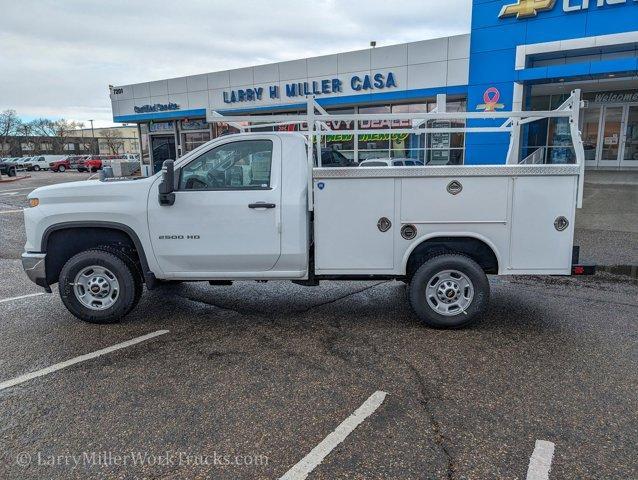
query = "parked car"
x=23 y=162
x=61 y=165
x=41 y=162
x=93 y=163
x=391 y=162
x=67 y=163
x=11 y=160
x=334 y=158
x=8 y=168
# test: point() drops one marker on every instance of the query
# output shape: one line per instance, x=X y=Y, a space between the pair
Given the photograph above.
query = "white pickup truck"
x=254 y=206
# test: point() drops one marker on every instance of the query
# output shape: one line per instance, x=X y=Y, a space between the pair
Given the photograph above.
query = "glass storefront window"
x=439 y=148
x=548 y=140
x=631 y=139
x=372 y=145
x=404 y=145
x=559 y=142
x=145 y=154
x=161 y=127
x=341 y=141
x=220 y=129
x=194 y=133
x=192 y=140
x=591 y=122
x=447 y=148
x=611 y=133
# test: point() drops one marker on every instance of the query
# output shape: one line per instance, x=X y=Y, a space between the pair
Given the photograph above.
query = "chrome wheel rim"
x=449 y=292
x=96 y=287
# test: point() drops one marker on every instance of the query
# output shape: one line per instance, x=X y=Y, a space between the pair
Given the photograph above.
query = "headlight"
x=34 y=202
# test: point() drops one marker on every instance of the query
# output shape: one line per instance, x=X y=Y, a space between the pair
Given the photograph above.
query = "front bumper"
x=34 y=265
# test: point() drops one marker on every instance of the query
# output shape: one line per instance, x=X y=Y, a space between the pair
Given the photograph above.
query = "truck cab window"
x=233 y=166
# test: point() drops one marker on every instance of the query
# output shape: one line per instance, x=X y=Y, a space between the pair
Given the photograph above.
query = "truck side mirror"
x=166 y=194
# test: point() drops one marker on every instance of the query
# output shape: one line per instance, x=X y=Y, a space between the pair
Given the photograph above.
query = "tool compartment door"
x=536 y=244
x=347 y=238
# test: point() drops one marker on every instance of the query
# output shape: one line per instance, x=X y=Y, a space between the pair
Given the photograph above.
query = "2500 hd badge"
x=179 y=237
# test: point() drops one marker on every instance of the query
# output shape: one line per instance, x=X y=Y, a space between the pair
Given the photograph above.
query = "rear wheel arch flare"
x=480 y=249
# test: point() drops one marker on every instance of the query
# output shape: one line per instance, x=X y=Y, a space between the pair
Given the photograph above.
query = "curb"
x=14 y=179
x=625 y=270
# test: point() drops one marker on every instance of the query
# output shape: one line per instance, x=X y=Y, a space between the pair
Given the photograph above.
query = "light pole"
x=92 y=134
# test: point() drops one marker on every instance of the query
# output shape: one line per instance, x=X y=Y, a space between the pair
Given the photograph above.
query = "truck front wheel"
x=449 y=291
x=99 y=286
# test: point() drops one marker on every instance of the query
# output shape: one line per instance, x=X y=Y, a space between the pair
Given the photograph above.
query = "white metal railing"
x=314 y=125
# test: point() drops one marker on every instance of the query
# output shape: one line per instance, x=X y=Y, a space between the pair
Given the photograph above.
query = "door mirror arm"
x=166 y=196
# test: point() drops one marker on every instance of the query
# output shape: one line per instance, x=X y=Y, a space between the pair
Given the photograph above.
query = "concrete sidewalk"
x=607 y=225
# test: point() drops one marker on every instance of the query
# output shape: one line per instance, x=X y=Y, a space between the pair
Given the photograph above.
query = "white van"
x=41 y=162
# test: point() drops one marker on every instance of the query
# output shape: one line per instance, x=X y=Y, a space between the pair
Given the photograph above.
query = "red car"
x=61 y=165
x=93 y=163
x=67 y=163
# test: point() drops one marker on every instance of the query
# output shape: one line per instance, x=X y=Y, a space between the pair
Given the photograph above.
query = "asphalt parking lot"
x=246 y=381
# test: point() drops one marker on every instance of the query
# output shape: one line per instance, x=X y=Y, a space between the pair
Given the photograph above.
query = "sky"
x=57 y=58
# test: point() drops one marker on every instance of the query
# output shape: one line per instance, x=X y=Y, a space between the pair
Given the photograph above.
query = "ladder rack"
x=314 y=124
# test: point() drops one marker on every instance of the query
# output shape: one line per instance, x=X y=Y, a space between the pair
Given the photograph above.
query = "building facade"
x=525 y=54
x=28 y=146
x=114 y=140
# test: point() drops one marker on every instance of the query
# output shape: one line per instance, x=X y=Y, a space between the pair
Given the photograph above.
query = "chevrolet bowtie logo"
x=526 y=8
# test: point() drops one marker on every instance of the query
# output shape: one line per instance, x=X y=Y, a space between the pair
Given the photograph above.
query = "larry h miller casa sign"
x=377 y=81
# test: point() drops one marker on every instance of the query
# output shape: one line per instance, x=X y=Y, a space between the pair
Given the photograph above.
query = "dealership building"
x=520 y=54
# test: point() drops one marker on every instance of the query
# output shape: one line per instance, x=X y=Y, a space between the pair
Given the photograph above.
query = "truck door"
x=227 y=211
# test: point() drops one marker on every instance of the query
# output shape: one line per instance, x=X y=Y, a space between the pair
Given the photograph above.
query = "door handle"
x=262 y=205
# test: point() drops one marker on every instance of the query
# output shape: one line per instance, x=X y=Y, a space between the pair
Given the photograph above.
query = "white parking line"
x=307 y=464
x=21 y=297
x=81 y=358
x=13 y=192
x=12 y=211
x=541 y=462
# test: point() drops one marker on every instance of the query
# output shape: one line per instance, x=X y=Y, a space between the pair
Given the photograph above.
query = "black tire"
x=125 y=273
x=133 y=266
x=61 y=169
x=12 y=172
x=427 y=274
x=36 y=168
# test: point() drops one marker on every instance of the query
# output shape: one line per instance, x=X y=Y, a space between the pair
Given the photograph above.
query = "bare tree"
x=9 y=126
x=65 y=128
x=26 y=130
x=45 y=127
x=113 y=140
x=42 y=127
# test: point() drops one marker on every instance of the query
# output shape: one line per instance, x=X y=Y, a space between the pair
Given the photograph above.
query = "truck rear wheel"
x=99 y=286
x=449 y=291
